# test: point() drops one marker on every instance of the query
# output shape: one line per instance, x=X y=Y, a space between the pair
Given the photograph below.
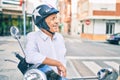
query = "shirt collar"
x=55 y=36
x=45 y=36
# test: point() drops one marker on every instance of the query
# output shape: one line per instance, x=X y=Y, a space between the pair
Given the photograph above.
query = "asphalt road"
x=88 y=57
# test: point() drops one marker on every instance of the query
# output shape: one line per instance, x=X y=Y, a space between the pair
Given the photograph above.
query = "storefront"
x=8 y=20
x=12 y=15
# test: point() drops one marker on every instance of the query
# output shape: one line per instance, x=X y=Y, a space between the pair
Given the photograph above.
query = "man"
x=46 y=46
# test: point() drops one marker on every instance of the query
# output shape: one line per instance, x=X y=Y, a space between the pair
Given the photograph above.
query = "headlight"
x=34 y=74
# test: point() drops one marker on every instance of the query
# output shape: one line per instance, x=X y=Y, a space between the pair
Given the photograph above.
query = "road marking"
x=93 y=58
x=113 y=64
x=72 y=69
x=92 y=66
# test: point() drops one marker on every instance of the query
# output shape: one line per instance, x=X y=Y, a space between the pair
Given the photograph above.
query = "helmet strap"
x=50 y=32
x=46 y=27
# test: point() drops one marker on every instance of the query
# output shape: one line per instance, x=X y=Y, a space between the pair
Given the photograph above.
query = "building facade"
x=64 y=6
x=98 y=20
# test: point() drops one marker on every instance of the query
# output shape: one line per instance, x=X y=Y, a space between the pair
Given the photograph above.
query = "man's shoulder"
x=33 y=33
x=59 y=35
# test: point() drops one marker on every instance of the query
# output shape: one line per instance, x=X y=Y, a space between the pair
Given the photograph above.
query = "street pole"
x=24 y=20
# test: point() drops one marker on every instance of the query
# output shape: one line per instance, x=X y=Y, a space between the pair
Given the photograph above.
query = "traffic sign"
x=87 y=22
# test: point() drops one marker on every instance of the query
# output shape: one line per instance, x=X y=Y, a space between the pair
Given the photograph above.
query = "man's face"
x=52 y=22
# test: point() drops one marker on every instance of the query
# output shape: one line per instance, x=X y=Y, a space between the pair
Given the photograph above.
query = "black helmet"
x=40 y=13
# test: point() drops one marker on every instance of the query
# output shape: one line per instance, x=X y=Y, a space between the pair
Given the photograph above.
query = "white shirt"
x=39 y=46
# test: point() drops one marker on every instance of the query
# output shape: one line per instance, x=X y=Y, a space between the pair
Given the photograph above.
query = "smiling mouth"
x=55 y=26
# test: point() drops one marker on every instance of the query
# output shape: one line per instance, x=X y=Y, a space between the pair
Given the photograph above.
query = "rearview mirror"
x=107 y=74
x=14 y=31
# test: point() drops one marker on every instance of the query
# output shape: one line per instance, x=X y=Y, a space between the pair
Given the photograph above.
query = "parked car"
x=115 y=38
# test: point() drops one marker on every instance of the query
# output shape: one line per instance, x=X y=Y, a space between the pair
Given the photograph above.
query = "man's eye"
x=53 y=19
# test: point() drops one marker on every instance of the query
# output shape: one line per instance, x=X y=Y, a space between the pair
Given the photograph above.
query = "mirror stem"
x=20 y=46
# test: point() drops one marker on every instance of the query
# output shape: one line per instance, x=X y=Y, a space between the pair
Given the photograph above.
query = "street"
x=84 y=58
x=84 y=24
x=88 y=57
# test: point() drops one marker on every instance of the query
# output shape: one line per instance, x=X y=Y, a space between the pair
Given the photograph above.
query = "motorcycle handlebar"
x=18 y=56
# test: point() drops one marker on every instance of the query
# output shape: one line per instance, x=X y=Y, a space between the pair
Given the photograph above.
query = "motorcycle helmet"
x=40 y=13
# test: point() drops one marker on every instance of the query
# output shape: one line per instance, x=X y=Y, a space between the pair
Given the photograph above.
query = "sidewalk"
x=82 y=39
x=71 y=36
x=9 y=38
x=6 y=38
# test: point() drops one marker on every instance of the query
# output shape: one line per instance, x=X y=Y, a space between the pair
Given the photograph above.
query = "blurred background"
x=90 y=19
x=85 y=24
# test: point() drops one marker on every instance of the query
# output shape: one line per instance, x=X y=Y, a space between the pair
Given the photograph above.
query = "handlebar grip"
x=18 y=56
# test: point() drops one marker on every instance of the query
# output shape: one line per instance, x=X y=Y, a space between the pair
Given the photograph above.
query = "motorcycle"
x=44 y=72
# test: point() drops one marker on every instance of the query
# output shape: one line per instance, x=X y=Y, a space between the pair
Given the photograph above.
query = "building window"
x=110 y=28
